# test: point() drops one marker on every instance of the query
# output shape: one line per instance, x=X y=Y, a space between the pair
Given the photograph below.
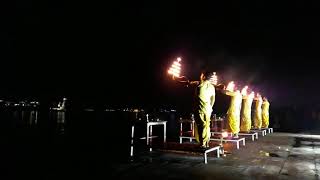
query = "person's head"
x=205 y=75
x=264 y=98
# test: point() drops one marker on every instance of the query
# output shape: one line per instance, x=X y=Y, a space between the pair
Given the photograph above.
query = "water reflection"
x=95 y=123
x=59 y=119
x=33 y=119
x=95 y=129
x=24 y=118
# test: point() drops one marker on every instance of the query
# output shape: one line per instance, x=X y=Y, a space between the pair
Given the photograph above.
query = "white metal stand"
x=237 y=141
x=269 y=130
x=149 y=130
x=219 y=148
x=263 y=132
x=254 y=135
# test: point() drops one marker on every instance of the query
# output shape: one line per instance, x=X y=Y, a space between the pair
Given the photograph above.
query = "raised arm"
x=213 y=97
x=185 y=81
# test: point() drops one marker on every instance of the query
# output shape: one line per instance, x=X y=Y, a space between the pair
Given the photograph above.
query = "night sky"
x=119 y=53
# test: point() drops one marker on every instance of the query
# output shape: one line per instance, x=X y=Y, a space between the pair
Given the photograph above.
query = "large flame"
x=175 y=68
x=251 y=95
x=244 y=91
x=214 y=79
x=230 y=86
x=259 y=97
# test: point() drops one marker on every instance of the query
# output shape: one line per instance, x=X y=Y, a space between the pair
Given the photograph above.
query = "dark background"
x=118 y=53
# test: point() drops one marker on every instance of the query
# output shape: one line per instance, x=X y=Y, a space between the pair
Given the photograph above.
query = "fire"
x=251 y=95
x=230 y=86
x=214 y=79
x=175 y=68
x=258 y=95
x=244 y=91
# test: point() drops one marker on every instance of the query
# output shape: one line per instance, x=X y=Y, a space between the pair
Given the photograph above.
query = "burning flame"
x=258 y=95
x=230 y=86
x=251 y=95
x=175 y=68
x=214 y=79
x=244 y=91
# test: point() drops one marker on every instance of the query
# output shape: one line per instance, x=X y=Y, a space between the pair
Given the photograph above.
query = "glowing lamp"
x=175 y=68
x=258 y=95
x=244 y=91
x=230 y=86
x=214 y=79
x=251 y=95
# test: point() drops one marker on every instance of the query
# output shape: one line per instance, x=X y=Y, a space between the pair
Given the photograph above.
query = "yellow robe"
x=233 y=113
x=246 y=114
x=257 y=116
x=205 y=95
x=265 y=114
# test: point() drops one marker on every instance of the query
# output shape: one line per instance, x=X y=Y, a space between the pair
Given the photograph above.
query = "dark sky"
x=119 y=52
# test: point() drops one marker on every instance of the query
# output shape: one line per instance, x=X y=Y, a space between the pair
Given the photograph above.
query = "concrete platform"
x=276 y=156
x=188 y=148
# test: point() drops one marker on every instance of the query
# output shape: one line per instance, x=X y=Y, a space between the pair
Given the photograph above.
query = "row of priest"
x=236 y=106
x=242 y=110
